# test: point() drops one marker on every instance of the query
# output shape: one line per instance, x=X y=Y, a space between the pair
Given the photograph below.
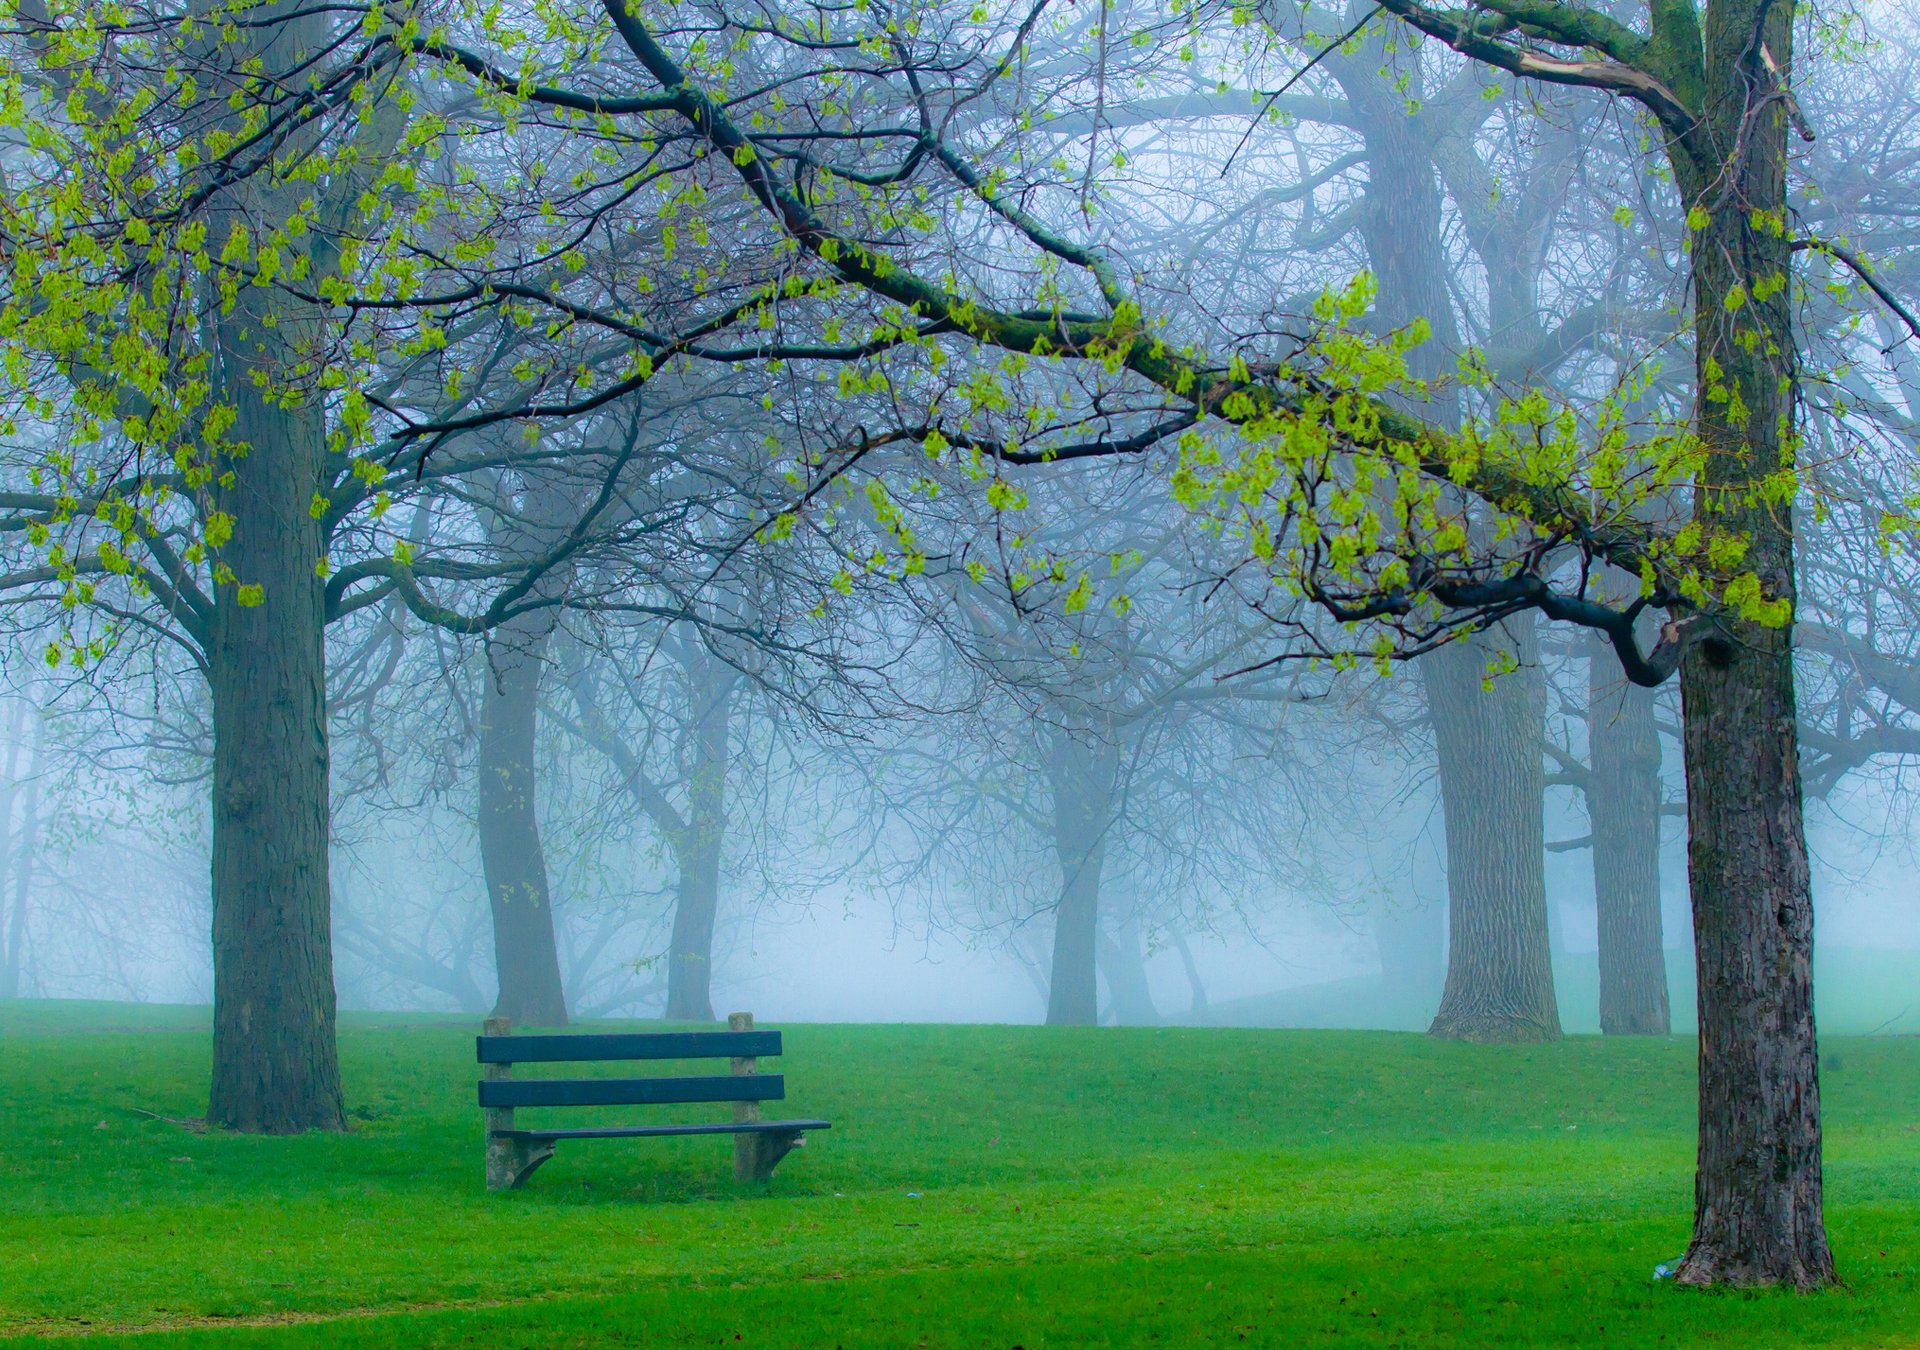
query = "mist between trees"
x=1381 y=516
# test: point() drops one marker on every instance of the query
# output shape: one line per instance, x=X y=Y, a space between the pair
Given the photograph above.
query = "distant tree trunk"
x=13 y=936
x=690 y=958
x=1199 y=1005
x=1623 y=802
x=21 y=853
x=275 y=1066
x=1129 y=995
x=1758 y=1184
x=525 y=952
x=1499 y=983
x=1083 y=777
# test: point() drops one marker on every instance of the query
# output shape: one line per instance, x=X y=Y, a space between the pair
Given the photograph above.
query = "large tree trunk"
x=275 y=1068
x=526 y=956
x=710 y=689
x=1499 y=983
x=1082 y=777
x=1623 y=802
x=1757 y=1194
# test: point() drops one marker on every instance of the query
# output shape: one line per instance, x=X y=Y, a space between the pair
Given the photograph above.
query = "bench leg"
x=511 y=1161
x=756 y=1155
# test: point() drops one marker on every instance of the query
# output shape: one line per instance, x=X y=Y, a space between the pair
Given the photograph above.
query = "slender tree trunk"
x=10 y=861
x=20 y=861
x=1083 y=777
x=1199 y=1005
x=1623 y=802
x=1499 y=983
x=690 y=957
x=275 y=1067
x=526 y=955
x=1129 y=994
x=1758 y=1189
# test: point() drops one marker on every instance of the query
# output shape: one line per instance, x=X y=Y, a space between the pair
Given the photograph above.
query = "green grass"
x=982 y=1186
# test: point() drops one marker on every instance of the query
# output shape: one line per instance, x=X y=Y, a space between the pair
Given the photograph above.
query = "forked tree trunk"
x=526 y=954
x=1757 y=1196
x=1082 y=778
x=1499 y=984
x=1623 y=802
x=275 y=1067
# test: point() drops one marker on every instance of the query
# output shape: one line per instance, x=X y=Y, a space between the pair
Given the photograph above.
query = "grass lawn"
x=981 y=1187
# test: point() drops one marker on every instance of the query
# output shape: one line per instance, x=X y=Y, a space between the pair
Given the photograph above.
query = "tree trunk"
x=690 y=957
x=13 y=870
x=526 y=955
x=1129 y=994
x=1083 y=778
x=1623 y=802
x=1499 y=984
x=21 y=855
x=275 y=1067
x=1198 y=1007
x=1757 y=1191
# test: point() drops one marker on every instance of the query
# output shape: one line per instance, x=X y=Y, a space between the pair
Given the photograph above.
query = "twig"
x=1860 y=268
x=1294 y=79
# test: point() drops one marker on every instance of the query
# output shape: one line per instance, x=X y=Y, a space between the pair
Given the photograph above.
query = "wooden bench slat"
x=651 y=1131
x=582 y=1048
x=753 y=1087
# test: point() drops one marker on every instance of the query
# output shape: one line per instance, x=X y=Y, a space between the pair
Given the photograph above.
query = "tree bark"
x=1623 y=803
x=526 y=954
x=275 y=1066
x=1758 y=1186
x=1499 y=984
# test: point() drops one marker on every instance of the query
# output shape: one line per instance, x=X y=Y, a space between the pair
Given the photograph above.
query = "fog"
x=1232 y=561
x=106 y=889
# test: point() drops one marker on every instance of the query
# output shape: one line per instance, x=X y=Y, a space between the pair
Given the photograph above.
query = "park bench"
x=513 y=1154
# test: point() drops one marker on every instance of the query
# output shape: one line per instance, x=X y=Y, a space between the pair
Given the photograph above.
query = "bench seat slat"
x=582 y=1049
x=749 y=1087
x=655 y=1131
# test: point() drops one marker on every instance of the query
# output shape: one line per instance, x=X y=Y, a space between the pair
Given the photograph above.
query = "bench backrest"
x=502 y=1092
